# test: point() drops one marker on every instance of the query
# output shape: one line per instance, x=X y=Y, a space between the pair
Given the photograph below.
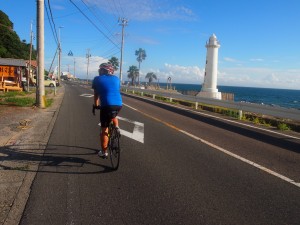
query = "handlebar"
x=95 y=107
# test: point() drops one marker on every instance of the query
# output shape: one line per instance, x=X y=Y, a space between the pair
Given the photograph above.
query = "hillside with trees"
x=10 y=44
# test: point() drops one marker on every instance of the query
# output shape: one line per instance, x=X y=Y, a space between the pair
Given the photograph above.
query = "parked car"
x=48 y=82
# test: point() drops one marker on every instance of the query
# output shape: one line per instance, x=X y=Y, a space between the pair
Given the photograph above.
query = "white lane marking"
x=87 y=95
x=231 y=154
x=138 y=130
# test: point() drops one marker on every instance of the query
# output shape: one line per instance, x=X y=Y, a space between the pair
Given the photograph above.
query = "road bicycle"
x=113 y=143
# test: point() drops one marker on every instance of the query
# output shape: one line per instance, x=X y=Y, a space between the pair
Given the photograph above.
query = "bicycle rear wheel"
x=114 y=149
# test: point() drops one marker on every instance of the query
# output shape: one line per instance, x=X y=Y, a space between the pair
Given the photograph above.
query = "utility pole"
x=59 y=55
x=40 y=92
x=123 y=23
x=30 y=55
x=88 y=55
x=74 y=68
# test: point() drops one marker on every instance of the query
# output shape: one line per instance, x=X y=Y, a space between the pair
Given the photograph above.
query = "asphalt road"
x=174 y=169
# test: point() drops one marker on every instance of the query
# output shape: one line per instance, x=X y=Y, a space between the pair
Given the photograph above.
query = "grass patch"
x=23 y=99
x=17 y=98
x=23 y=102
x=48 y=102
x=12 y=94
x=49 y=91
x=26 y=167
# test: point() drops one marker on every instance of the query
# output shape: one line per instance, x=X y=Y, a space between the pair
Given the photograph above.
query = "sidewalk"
x=24 y=133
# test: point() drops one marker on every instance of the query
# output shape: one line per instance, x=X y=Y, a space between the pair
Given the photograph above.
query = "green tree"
x=133 y=73
x=4 y=20
x=141 y=55
x=10 y=44
x=115 y=62
x=151 y=76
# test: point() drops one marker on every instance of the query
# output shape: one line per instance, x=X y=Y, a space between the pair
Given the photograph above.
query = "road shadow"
x=54 y=159
x=286 y=143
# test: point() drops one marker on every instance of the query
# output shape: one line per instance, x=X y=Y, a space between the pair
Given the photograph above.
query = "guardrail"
x=279 y=112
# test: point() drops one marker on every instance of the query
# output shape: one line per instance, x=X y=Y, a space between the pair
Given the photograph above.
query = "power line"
x=94 y=24
x=116 y=8
x=111 y=54
x=55 y=37
x=111 y=9
x=103 y=22
x=99 y=18
x=120 y=5
x=52 y=21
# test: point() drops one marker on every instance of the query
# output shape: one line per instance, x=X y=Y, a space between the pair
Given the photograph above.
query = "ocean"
x=267 y=96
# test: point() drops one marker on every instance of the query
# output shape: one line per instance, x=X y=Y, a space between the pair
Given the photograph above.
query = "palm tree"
x=133 y=73
x=141 y=55
x=151 y=76
x=115 y=62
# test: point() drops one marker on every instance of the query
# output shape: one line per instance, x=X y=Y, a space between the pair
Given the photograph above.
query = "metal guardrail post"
x=240 y=114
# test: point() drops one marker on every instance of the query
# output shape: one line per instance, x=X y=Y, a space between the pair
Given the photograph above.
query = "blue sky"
x=259 y=38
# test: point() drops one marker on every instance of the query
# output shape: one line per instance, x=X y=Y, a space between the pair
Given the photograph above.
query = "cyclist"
x=107 y=96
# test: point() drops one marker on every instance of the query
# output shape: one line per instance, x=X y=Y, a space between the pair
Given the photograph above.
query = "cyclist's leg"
x=116 y=110
x=105 y=120
x=104 y=138
x=116 y=121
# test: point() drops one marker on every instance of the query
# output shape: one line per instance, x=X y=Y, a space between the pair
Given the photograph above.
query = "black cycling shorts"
x=107 y=113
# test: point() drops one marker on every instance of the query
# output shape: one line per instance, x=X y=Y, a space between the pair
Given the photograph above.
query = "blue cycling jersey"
x=108 y=89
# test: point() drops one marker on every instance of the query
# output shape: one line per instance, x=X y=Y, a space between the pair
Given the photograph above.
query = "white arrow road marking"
x=87 y=95
x=138 y=130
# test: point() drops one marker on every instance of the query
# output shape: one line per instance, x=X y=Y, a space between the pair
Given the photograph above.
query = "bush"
x=256 y=120
x=283 y=126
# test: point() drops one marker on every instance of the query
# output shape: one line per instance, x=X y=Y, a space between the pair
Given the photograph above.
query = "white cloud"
x=256 y=60
x=146 y=9
x=178 y=74
x=244 y=77
x=259 y=77
x=145 y=40
x=227 y=59
x=81 y=66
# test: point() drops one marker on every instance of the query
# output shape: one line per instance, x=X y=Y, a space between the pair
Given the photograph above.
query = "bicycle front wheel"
x=114 y=149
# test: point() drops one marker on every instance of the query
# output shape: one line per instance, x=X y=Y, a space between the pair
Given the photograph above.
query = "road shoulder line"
x=271 y=172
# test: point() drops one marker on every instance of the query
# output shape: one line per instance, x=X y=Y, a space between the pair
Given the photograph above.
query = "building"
x=12 y=72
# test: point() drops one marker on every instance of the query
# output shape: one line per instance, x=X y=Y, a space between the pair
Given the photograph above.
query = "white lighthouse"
x=209 y=87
